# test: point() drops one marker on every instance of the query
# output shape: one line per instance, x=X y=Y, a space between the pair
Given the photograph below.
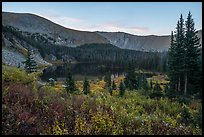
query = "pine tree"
x=192 y=53
x=86 y=86
x=180 y=50
x=146 y=86
x=114 y=87
x=70 y=84
x=142 y=82
x=176 y=57
x=131 y=80
x=107 y=79
x=172 y=66
x=110 y=91
x=151 y=84
x=184 y=68
x=108 y=83
x=122 y=88
x=30 y=64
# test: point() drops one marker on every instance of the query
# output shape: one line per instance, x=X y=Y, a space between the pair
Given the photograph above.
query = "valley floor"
x=33 y=110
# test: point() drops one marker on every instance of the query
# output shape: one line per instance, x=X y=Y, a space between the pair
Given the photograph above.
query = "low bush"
x=27 y=111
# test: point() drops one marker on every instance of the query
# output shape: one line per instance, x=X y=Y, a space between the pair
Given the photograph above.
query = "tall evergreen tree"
x=110 y=90
x=131 y=79
x=151 y=84
x=180 y=48
x=108 y=83
x=192 y=53
x=86 y=86
x=184 y=58
x=122 y=88
x=114 y=87
x=176 y=57
x=107 y=79
x=70 y=84
x=30 y=64
x=172 y=66
x=142 y=80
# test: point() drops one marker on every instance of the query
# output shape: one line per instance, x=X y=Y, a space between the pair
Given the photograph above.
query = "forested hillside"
x=100 y=53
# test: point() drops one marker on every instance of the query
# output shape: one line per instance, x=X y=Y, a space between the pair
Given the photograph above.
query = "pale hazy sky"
x=139 y=18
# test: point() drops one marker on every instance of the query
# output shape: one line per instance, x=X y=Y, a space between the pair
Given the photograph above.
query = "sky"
x=138 y=18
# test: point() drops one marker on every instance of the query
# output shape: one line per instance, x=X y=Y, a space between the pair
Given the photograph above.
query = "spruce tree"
x=70 y=84
x=30 y=64
x=172 y=66
x=107 y=79
x=142 y=82
x=86 y=86
x=122 y=88
x=184 y=69
x=180 y=50
x=176 y=57
x=151 y=84
x=108 y=83
x=114 y=87
x=192 y=53
x=110 y=91
x=131 y=79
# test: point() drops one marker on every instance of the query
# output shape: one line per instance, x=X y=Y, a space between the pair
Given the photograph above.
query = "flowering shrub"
x=29 y=111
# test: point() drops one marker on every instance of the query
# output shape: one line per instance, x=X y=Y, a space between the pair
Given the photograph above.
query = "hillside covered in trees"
x=100 y=53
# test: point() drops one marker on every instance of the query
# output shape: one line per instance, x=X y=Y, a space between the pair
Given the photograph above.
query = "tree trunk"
x=186 y=80
x=179 y=85
x=176 y=87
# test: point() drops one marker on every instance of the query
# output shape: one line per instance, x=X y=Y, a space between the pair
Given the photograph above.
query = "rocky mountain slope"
x=141 y=43
x=134 y=42
x=62 y=36
x=14 y=51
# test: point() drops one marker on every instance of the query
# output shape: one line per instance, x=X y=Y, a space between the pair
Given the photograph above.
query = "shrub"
x=103 y=124
x=186 y=115
x=198 y=118
x=16 y=75
x=81 y=127
x=59 y=128
x=50 y=111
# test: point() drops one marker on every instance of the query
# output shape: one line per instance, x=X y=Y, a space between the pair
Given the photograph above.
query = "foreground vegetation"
x=29 y=109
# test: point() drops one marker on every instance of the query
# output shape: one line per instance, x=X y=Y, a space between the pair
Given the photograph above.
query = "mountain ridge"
x=63 y=36
x=35 y=24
